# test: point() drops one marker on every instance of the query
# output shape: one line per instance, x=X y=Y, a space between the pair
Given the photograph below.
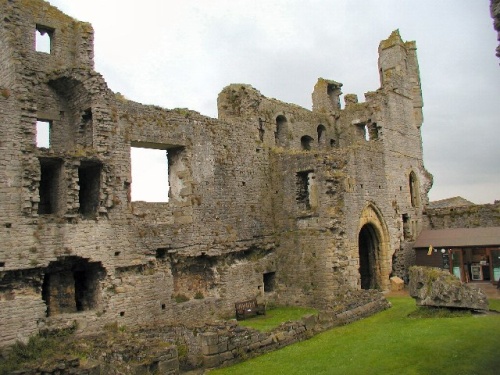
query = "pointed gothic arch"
x=373 y=250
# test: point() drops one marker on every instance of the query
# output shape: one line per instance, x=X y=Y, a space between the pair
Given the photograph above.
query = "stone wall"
x=481 y=215
x=226 y=344
x=270 y=200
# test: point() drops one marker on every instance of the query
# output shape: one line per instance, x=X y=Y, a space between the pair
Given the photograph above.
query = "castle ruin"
x=271 y=200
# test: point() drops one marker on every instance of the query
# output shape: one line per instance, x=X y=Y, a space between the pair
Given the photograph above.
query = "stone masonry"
x=270 y=200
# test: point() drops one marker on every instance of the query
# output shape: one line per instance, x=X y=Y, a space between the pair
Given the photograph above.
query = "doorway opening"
x=368 y=245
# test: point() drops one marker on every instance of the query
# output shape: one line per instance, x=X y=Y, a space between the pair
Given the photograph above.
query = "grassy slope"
x=391 y=343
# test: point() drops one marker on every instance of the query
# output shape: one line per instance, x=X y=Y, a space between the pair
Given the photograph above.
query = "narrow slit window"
x=43 y=39
x=366 y=132
x=43 y=134
x=414 y=191
x=321 y=135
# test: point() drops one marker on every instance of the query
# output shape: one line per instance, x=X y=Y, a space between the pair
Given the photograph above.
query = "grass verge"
x=390 y=343
x=274 y=317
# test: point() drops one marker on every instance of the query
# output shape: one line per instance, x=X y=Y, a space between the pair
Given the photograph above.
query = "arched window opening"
x=306 y=142
x=414 y=190
x=281 y=129
x=321 y=135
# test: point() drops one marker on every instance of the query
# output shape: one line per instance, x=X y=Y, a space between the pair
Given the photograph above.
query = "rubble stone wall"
x=268 y=201
x=474 y=216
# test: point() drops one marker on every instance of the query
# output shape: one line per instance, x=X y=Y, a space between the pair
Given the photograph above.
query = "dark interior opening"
x=89 y=179
x=161 y=253
x=306 y=142
x=49 y=189
x=269 y=281
x=71 y=285
x=368 y=248
x=302 y=189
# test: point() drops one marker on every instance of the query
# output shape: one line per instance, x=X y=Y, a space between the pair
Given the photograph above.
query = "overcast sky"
x=182 y=53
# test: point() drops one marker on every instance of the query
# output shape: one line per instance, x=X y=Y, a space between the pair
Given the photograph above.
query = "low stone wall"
x=174 y=350
x=229 y=343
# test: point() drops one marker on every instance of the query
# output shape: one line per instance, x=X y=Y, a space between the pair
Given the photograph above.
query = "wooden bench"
x=246 y=309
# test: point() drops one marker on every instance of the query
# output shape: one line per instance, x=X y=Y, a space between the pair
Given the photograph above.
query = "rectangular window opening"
x=303 y=185
x=43 y=133
x=269 y=279
x=43 y=39
x=407 y=230
x=149 y=174
x=50 y=190
x=89 y=180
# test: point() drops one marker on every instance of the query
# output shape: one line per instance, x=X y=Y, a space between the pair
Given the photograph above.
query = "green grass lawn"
x=275 y=317
x=391 y=343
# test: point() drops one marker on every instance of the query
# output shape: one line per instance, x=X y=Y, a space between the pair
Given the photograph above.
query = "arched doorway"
x=374 y=255
x=368 y=245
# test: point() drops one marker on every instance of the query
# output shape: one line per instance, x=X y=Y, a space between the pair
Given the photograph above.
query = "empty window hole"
x=122 y=313
x=163 y=306
x=149 y=174
x=8 y=225
x=43 y=134
x=43 y=39
x=117 y=253
x=2 y=264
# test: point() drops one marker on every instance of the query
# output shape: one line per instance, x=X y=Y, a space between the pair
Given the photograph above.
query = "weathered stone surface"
x=438 y=288
x=270 y=199
x=397 y=284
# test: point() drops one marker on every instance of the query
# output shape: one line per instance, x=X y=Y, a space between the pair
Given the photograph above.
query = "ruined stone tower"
x=271 y=199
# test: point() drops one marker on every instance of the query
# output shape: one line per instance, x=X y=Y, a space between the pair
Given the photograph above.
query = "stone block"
x=210 y=361
x=168 y=367
x=397 y=284
x=438 y=288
